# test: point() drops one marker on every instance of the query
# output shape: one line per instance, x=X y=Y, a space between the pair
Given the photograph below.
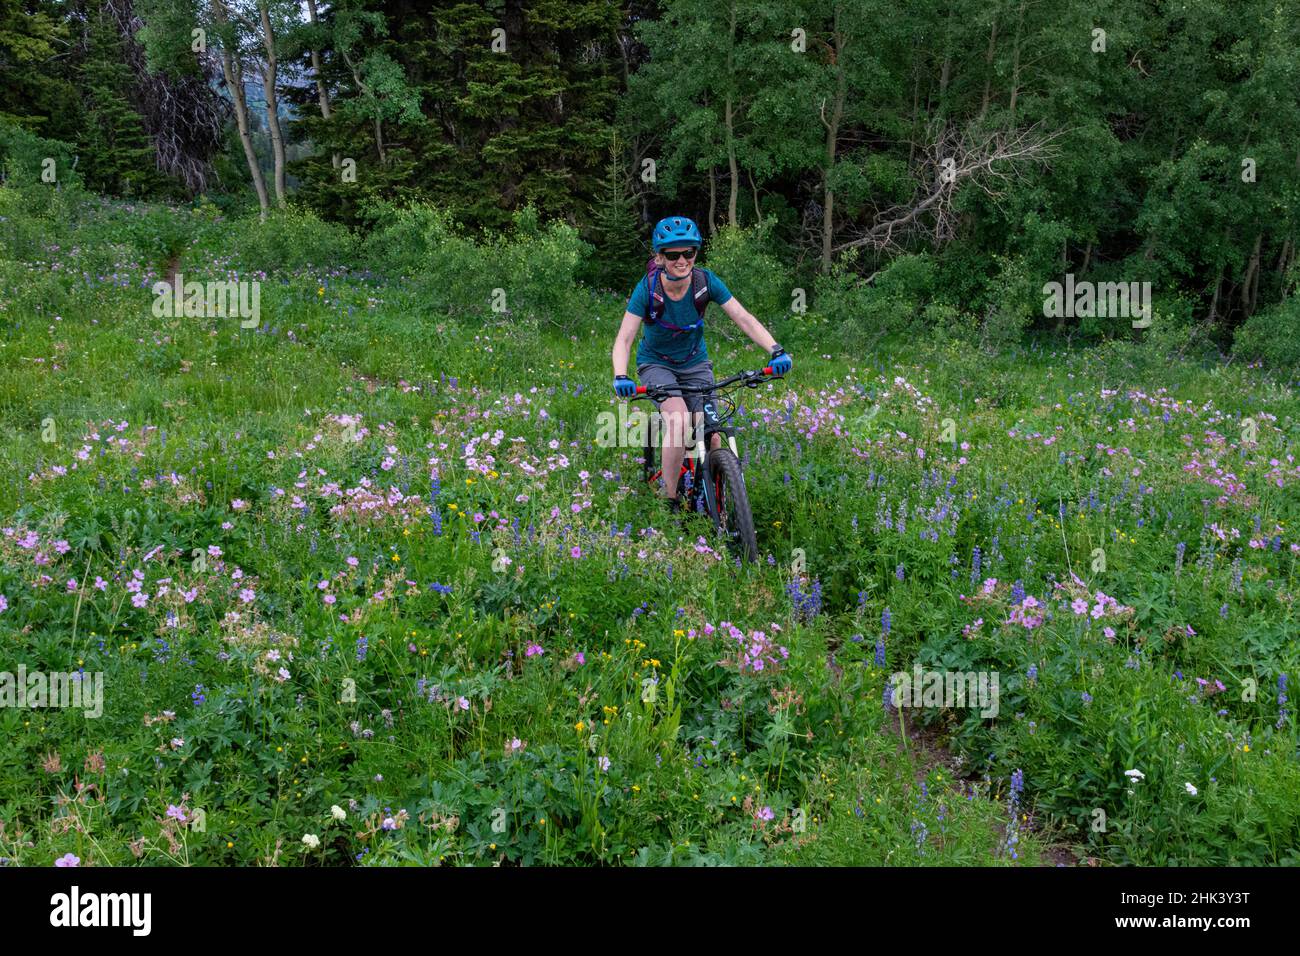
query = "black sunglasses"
x=674 y=256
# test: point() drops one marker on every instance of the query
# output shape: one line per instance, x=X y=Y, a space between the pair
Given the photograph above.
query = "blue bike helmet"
x=676 y=231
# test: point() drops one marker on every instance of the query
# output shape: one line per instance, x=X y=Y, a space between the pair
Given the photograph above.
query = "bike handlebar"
x=746 y=378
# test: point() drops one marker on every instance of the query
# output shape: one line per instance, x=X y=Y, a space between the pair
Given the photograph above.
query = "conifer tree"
x=116 y=156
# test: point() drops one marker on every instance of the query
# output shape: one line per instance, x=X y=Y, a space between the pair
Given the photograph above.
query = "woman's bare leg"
x=673 y=412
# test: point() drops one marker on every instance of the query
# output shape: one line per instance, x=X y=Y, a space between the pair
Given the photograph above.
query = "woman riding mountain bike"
x=670 y=301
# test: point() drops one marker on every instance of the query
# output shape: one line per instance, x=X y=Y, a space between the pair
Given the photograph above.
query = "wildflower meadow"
x=346 y=605
x=336 y=531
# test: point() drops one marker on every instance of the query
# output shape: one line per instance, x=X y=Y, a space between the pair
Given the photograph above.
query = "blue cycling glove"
x=782 y=361
x=624 y=387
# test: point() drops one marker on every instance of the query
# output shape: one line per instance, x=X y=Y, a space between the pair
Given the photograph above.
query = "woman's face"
x=682 y=267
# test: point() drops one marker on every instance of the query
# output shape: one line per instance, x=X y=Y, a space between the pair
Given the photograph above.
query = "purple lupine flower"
x=806 y=606
x=920 y=834
x=1013 y=807
x=880 y=651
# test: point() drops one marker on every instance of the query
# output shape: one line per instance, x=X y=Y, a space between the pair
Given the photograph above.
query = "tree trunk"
x=945 y=75
x=1214 y=301
x=1087 y=258
x=379 y=141
x=321 y=92
x=730 y=126
x=622 y=52
x=272 y=103
x=1288 y=248
x=378 y=123
x=731 y=165
x=233 y=72
x=1248 y=283
x=758 y=212
x=988 y=68
x=713 y=201
x=1015 y=66
x=832 y=141
x=916 y=102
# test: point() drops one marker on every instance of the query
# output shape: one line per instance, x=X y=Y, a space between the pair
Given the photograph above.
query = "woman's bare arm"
x=623 y=342
x=746 y=322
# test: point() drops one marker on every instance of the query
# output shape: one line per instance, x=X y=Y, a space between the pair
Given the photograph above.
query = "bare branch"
x=183 y=116
x=989 y=159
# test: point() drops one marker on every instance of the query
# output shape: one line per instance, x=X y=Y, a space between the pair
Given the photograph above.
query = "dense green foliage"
x=1114 y=141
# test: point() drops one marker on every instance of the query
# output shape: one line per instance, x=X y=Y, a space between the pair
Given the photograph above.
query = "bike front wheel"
x=729 y=507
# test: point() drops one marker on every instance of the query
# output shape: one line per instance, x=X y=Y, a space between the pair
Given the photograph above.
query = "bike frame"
x=713 y=424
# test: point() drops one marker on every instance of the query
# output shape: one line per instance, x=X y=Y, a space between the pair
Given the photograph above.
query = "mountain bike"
x=718 y=487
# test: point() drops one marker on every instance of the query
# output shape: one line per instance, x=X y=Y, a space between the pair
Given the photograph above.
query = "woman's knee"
x=675 y=418
x=673 y=405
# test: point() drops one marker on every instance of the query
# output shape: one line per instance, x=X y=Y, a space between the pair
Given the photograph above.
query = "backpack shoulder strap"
x=654 y=297
x=700 y=290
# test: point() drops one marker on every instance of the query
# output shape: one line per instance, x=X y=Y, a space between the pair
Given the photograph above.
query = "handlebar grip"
x=768 y=370
x=640 y=389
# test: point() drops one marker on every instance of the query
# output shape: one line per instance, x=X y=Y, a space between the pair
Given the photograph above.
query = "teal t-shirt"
x=658 y=342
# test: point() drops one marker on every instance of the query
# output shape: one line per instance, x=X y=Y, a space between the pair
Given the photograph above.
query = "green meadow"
x=358 y=585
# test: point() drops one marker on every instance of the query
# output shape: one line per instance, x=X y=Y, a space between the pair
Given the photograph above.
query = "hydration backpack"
x=699 y=296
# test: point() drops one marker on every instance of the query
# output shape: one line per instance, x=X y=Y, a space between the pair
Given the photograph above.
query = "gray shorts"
x=652 y=374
